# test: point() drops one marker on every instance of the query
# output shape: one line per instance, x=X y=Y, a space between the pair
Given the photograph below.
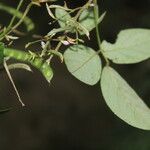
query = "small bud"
x=42 y=45
x=65 y=42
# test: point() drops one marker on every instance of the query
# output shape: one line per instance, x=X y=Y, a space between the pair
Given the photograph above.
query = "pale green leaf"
x=63 y=16
x=83 y=63
x=132 y=46
x=87 y=19
x=123 y=100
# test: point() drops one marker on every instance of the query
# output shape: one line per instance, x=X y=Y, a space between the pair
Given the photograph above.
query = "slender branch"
x=12 y=20
x=96 y=15
x=14 y=17
x=14 y=86
x=10 y=29
x=24 y=15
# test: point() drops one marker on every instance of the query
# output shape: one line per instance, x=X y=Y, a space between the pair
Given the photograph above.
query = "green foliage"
x=84 y=63
x=87 y=20
x=123 y=100
x=85 y=24
x=63 y=16
x=132 y=46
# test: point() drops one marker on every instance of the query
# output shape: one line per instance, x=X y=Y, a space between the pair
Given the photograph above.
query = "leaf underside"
x=83 y=63
x=123 y=100
x=132 y=46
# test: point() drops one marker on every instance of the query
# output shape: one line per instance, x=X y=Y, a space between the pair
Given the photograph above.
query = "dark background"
x=69 y=114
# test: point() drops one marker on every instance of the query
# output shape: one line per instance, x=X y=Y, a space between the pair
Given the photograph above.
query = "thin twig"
x=13 y=84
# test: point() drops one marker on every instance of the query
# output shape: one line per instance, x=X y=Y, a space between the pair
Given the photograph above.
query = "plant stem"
x=12 y=20
x=13 y=84
x=14 y=17
x=10 y=28
x=96 y=15
x=24 y=15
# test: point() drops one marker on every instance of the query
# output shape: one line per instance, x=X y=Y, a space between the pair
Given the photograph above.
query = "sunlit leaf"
x=123 y=100
x=132 y=46
x=83 y=63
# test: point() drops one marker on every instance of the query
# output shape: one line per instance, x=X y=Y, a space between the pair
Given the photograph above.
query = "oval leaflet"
x=83 y=63
x=123 y=100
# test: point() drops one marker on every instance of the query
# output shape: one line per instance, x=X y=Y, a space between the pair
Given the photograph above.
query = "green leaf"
x=87 y=19
x=63 y=16
x=1 y=52
x=123 y=100
x=27 y=21
x=83 y=63
x=132 y=46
